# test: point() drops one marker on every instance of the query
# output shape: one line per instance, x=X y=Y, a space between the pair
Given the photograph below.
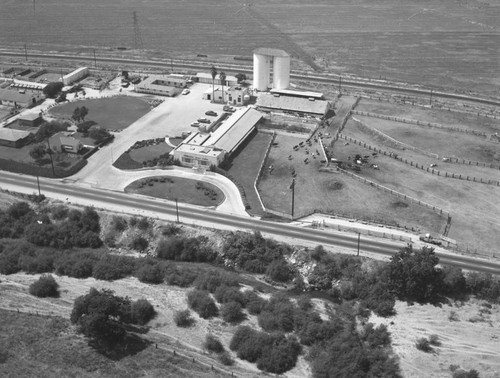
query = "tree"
x=240 y=77
x=38 y=152
x=222 y=77
x=213 y=72
x=142 y=311
x=100 y=316
x=83 y=112
x=45 y=286
x=77 y=114
x=231 y=312
x=51 y=90
x=413 y=274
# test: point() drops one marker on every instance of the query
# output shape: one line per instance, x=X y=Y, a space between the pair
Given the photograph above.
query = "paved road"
x=115 y=201
x=232 y=69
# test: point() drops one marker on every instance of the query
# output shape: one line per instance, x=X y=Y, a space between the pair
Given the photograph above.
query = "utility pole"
x=292 y=187
x=359 y=239
x=177 y=209
x=38 y=184
x=95 y=60
x=340 y=85
x=25 y=52
x=430 y=99
x=51 y=161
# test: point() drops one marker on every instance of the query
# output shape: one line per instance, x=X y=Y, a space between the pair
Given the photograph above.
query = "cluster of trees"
x=51 y=90
x=192 y=249
x=102 y=316
x=80 y=113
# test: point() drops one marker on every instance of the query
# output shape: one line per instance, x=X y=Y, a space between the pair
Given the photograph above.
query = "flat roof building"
x=269 y=102
x=293 y=93
x=77 y=74
x=203 y=77
x=162 y=85
x=12 y=97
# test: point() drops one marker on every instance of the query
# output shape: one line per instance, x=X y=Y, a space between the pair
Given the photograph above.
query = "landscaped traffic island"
x=184 y=190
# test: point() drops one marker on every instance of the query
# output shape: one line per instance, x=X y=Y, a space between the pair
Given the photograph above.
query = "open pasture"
x=468 y=121
x=333 y=192
x=115 y=113
x=442 y=43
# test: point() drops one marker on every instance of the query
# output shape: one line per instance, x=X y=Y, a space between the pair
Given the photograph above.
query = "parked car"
x=211 y=113
x=228 y=108
x=186 y=91
x=429 y=239
x=195 y=124
x=204 y=120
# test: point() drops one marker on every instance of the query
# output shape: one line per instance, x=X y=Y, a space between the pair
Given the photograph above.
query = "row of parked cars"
x=211 y=113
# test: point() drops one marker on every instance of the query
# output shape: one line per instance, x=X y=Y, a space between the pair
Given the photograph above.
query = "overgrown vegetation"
x=45 y=286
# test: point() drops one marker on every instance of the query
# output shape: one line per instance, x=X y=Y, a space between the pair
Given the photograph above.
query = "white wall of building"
x=261 y=64
x=281 y=72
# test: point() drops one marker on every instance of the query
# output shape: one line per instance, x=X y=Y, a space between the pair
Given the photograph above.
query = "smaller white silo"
x=281 y=72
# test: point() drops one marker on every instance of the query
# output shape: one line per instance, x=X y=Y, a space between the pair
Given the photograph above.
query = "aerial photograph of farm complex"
x=225 y=188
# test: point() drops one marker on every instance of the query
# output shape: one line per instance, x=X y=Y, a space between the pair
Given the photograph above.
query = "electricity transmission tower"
x=138 y=44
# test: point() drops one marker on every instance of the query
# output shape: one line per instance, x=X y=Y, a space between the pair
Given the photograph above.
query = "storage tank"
x=260 y=72
x=281 y=72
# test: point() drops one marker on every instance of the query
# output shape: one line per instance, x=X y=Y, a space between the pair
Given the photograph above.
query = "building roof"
x=13 y=135
x=149 y=81
x=207 y=75
x=230 y=134
x=196 y=138
x=296 y=104
x=271 y=52
x=75 y=72
x=14 y=95
x=29 y=116
x=290 y=92
x=195 y=149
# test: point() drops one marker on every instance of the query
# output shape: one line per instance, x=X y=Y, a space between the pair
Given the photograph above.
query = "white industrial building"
x=204 y=150
x=206 y=78
x=77 y=74
x=232 y=95
x=270 y=62
x=163 y=85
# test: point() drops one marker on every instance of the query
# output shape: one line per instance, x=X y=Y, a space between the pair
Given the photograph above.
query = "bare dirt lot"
x=333 y=192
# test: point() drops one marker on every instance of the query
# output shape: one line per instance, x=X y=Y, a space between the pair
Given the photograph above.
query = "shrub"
x=460 y=373
x=231 y=312
x=185 y=249
x=119 y=223
x=182 y=277
x=434 y=340
x=224 y=294
x=143 y=224
x=59 y=212
x=318 y=252
x=139 y=243
x=170 y=229
x=213 y=344
x=45 y=286
x=183 y=318
x=424 y=345
x=279 y=270
x=77 y=264
x=112 y=268
x=142 y=311
x=150 y=273
x=201 y=302
x=212 y=279
x=254 y=303
x=226 y=359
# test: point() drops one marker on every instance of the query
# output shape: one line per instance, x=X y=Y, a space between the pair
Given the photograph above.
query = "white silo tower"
x=263 y=58
x=261 y=72
x=281 y=72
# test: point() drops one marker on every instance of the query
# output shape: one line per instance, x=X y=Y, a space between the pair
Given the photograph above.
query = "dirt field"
x=471 y=341
x=333 y=192
x=115 y=113
x=184 y=190
x=442 y=43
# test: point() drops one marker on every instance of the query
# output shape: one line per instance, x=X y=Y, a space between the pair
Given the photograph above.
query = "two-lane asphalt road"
x=116 y=201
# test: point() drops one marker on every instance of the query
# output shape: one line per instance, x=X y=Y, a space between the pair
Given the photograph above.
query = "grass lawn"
x=244 y=167
x=333 y=192
x=150 y=152
x=43 y=346
x=185 y=190
x=116 y=113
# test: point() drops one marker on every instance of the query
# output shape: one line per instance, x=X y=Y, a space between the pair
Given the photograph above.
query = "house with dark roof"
x=13 y=138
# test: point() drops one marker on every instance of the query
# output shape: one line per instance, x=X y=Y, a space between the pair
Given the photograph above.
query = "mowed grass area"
x=44 y=346
x=447 y=118
x=184 y=190
x=149 y=152
x=474 y=207
x=244 y=167
x=115 y=113
x=446 y=43
x=333 y=192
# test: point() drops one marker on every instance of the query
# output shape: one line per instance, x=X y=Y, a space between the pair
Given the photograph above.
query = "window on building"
x=187 y=159
x=203 y=162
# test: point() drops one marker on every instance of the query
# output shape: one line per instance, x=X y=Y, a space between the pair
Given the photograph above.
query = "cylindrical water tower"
x=281 y=72
x=262 y=60
x=260 y=72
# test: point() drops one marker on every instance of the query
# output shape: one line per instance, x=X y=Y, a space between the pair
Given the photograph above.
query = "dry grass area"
x=471 y=341
x=166 y=300
x=474 y=207
x=333 y=192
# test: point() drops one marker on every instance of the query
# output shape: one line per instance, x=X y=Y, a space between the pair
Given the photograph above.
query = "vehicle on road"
x=228 y=108
x=204 y=120
x=211 y=113
x=427 y=238
x=195 y=124
x=186 y=91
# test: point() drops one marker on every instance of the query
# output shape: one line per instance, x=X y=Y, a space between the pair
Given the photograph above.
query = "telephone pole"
x=292 y=187
x=95 y=60
x=25 y=52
